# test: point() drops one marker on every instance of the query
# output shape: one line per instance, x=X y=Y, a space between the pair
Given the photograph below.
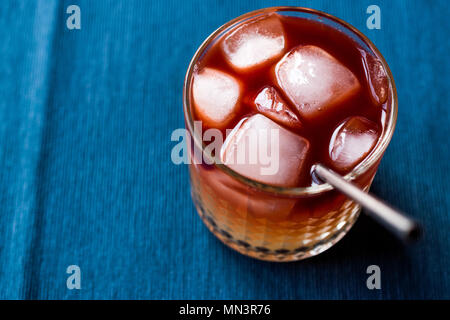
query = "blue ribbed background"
x=86 y=176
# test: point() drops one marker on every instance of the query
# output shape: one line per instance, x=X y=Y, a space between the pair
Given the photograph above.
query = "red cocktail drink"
x=286 y=88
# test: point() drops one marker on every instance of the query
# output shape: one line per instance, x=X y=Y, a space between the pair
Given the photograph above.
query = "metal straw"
x=398 y=223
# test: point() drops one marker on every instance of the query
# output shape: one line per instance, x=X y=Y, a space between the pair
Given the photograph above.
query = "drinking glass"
x=276 y=223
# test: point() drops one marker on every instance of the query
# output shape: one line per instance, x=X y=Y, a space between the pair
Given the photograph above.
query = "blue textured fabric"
x=86 y=177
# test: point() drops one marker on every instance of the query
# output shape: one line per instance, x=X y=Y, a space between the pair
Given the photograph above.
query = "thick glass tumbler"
x=271 y=222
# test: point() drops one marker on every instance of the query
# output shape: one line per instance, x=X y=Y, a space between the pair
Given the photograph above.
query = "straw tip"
x=314 y=175
x=415 y=233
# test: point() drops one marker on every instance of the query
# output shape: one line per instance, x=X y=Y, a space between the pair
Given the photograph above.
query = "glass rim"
x=356 y=172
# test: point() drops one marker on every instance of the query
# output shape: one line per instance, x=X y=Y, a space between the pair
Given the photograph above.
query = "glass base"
x=317 y=244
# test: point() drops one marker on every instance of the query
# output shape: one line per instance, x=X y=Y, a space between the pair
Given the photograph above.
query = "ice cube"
x=377 y=80
x=269 y=103
x=241 y=200
x=314 y=80
x=351 y=142
x=224 y=189
x=274 y=208
x=254 y=43
x=262 y=150
x=216 y=97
